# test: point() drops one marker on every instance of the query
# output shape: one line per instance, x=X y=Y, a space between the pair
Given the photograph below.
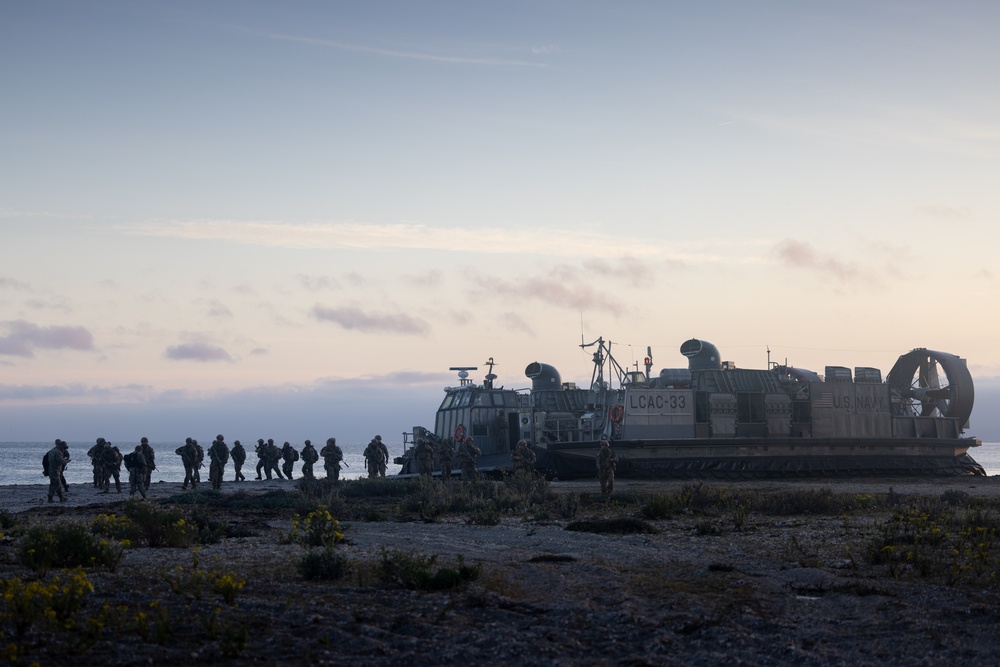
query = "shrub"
x=194 y=581
x=26 y=603
x=399 y=569
x=317 y=529
x=160 y=527
x=660 y=507
x=618 y=526
x=323 y=565
x=67 y=544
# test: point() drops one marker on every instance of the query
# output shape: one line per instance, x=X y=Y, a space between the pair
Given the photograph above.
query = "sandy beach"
x=774 y=589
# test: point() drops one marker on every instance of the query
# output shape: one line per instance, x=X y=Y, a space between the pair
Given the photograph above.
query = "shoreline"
x=701 y=589
x=19 y=498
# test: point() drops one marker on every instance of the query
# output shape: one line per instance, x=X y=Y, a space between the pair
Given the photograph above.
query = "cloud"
x=514 y=321
x=11 y=283
x=23 y=337
x=563 y=287
x=406 y=55
x=357 y=236
x=637 y=273
x=801 y=255
x=983 y=274
x=947 y=212
x=197 y=352
x=42 y=393
x=429 y=278
x=318 y=283
x=259 y=351
x=216 y=308
x=354 y=318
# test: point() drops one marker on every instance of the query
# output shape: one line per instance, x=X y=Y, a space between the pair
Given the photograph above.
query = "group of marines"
x=107 y=461
x=426 y=449
x=269 y=456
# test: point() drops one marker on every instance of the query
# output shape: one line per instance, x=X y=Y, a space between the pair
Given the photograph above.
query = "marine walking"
x=52 y=466
x=606 y=462
x=309 y=457
x=288 y=457
x=376 y=457
x=332 y=457
x=137 y=465
x=239 y=456
x=218 y=455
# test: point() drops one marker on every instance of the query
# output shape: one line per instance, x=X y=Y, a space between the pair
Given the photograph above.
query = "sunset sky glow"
x=289 y=219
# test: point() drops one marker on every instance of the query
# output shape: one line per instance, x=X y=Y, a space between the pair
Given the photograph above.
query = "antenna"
x=463 y=373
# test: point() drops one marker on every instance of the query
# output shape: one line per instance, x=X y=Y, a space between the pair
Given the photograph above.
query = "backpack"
x=295 y=455
x=45 y=465
x=129 y=461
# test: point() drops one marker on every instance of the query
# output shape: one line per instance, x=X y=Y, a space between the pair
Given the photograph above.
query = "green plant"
x=160 y=527
x=28 y=602
x=617 y=525
x=323 y=565
x=400 y=569
x=67 y=544
x=194 y=581
x=317 y=529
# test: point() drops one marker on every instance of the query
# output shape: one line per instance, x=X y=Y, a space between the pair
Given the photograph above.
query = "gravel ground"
x=782 y=590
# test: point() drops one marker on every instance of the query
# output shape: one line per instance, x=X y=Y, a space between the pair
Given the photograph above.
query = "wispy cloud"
x=885 y=125
x=627 y=268
x=412 y=236
x=513 y=321
x=197 y=352
x=562 y=287
x=11 y=392
x=801 y=255
x=22 y=338
x=409 y=55
x=355 y=318
x=12 y=284
x=215 y=308
x=318 y=283
x=947 y=212
x=429 y=278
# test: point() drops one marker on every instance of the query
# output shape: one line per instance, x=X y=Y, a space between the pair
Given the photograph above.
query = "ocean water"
x=21 y=463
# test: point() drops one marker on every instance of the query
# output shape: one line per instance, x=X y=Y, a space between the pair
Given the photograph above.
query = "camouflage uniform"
x=239 y=457
x=289 y=456
x=136 y=464
x=423 y=454
x=150 y=457
x=271 y=462
x=332 y=456
x=55 y=461
x=199 y=460
x=62 y=476
x=606 y=461
x=189 y=457
x=384 y=451
x=111 y=466
x=446 y=458
x=468 y=453
x=309 y=457
x=374 y=459
x=95 y=453
x=523 y=459
x=261 y=451
x=218 y=455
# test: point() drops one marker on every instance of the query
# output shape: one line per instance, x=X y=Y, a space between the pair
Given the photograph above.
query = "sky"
x=290 y=219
